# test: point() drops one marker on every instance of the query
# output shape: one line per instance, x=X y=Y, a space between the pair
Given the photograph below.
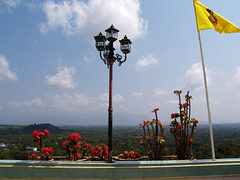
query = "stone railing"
x=169 y=169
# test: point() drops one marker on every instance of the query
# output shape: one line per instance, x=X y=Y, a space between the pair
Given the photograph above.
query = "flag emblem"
x=212 y=18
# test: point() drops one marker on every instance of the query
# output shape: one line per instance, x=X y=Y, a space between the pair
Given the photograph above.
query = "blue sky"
x=50 y=70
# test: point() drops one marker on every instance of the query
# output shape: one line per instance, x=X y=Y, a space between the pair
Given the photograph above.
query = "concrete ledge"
x=171 y=169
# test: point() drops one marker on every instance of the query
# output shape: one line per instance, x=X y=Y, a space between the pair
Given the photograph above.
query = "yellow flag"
x=207 y=19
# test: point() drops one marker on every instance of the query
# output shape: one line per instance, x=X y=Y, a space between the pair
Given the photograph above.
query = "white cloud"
x=116 y=98
x=68 y=102
x=80 y=17
x=236 y=77
x=137 y=94
x=158 y=91
x=34 y=102
x=37 y=102
x=172 y=102
x=104 y=99
x=89 y=58
x=5 y=72
x=9 y=4
x=63 y=102
x=63 y=79
x=14 y=104
x=193 y=79
x=146 y=61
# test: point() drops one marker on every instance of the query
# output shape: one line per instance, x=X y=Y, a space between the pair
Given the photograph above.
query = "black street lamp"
x=109 y=58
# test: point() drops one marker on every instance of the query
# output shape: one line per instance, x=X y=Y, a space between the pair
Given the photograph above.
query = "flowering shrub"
x=152 y=140
x=84 y=148
x=129 y=155
x=100 y=151
x=34 y=157
x=183 y=127
x=74 y=147
x=44 y=152
x=40 y=136
x=42 y=156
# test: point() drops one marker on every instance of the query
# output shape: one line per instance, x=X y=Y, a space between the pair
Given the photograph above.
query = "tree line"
x=18 y=138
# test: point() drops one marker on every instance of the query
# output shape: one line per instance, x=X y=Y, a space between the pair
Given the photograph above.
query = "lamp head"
x=100 y=41
x=111 y=34
x=125 y=45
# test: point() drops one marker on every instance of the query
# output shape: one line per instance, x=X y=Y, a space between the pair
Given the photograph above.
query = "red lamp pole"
x=110 y=116
x=109 y=58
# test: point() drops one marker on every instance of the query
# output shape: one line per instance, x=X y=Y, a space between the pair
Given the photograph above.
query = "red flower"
x=100 y=154
x=42 y=134
x=47 y=153
x=196 y=121
x=191 y=140
x=50 y=149
x=177 y=92
x=46 y=131
x=70 y=137
x=186 y=104
x=156 y=109
x=148 y=137
x=132 y=154
x=76 y=137
x=98 y=148
x=77 y=146
x=92 y=152
x=140 y=124
x=78 y=155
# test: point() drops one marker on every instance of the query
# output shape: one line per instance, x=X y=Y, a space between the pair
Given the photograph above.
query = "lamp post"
x=108 y=57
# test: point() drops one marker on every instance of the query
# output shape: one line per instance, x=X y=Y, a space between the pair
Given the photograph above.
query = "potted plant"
x=183 y=127
x=152 y=138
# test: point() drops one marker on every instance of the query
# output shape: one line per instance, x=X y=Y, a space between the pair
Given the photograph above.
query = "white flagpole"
x=206 y=89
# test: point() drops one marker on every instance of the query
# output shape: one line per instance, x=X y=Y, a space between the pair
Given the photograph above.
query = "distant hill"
x=51 y=128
